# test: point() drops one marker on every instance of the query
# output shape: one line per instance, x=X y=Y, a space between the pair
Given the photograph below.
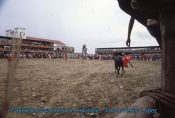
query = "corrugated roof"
x=48 y=40
x=130 y=47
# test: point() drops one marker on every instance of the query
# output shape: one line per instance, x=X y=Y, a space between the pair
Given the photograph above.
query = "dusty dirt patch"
x=78 y=84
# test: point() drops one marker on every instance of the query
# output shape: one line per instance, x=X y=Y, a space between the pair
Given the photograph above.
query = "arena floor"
x=54 y=83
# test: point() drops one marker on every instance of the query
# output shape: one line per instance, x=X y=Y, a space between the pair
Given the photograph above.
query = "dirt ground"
x=54 y=83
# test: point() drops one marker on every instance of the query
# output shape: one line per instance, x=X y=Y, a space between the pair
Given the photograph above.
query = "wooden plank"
x=145 y=102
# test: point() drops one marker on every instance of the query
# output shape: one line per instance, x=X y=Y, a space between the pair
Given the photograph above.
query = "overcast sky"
x=96 y=23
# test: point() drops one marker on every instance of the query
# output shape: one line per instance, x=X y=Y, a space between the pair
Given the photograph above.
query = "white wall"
x=17 y=33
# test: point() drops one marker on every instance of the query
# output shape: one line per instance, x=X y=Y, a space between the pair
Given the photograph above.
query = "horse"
x=118 y=62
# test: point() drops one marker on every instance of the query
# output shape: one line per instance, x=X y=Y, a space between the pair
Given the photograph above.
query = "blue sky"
x=96 y=23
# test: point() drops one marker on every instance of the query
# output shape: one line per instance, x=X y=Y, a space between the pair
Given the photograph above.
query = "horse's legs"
x=118 y=70
x=130 y=64
x=123 y=70
x=115 y=67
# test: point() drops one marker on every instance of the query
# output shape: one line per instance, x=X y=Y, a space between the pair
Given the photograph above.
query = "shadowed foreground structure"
x=162 y=11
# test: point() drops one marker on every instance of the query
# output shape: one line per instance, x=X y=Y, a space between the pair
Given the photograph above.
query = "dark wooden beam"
x=167 y=24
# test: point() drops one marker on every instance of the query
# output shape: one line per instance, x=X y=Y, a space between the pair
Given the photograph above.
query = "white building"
x=10 y=33
x=17 y=33
x=64 y=48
